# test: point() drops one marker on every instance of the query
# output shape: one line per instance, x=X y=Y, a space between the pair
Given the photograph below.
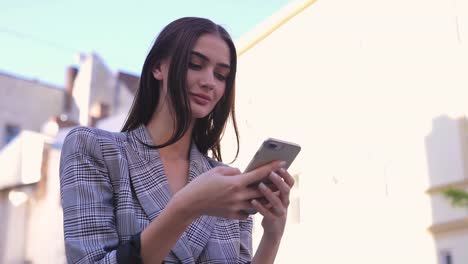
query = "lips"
x=201 y=99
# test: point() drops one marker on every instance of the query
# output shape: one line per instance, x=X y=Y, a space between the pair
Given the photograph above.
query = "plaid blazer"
x=112 y=187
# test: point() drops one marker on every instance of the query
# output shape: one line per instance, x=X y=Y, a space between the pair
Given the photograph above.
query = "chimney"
x=70 y=76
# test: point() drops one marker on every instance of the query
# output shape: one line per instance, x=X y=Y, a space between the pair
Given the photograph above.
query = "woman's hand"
x=224 y=191
x=276 y=210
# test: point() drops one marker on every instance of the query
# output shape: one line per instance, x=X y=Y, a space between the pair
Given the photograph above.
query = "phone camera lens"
x=272 y=145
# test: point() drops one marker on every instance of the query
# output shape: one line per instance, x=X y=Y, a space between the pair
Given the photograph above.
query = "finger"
x=261 y=172
x=265 y=202
x=266 y=181
x=282 y=187
x=251 y=193
x=270 y=184
x=277 y=204
x=245 y=207
x=286 y=177
x=227 y=171
x=240 y=210
x=262 y=200
x=261 y=209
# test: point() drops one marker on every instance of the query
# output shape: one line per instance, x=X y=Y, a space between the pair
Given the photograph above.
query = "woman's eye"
x=220 y=77
x=194 y=66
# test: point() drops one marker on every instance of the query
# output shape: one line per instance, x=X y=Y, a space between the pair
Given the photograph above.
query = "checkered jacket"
x=112 y=187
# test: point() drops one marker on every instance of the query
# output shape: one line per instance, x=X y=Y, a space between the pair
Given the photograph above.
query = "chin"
x=198 y=113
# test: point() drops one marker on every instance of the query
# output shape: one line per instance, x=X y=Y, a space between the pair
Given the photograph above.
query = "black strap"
x=130 y=251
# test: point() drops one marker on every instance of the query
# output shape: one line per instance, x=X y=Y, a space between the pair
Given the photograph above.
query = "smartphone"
x=271 y=150
x=274 y=149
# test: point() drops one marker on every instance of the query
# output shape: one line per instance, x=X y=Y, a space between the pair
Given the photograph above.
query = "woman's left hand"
x=276 y=210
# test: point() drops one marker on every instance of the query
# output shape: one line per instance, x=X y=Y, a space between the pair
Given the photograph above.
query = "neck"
x=161 y=128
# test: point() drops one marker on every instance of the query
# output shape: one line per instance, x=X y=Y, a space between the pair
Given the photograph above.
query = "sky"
x=40 y=38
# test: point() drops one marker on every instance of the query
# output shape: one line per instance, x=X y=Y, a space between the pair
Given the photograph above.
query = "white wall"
x=116 y=121
x=4 y=205
x=46 y=219
x=15 y=222
x=444 y=212
x=96 y=83
x=20 y=161
x=357 y=84
x=27 y=104
x=446 y=144
x=456 y=244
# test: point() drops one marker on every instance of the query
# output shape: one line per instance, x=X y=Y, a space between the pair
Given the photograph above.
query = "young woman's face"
x=207 y=73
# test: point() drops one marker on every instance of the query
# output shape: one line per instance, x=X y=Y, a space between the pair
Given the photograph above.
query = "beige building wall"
x=27 y=104
x=21 y=163
x=30 y=209
x=14 y=222
x=120 y=112
x=46 y=210
x=453 y=242
x=21 y=160
x=357 y=84
x=32 y=222
x=447 y=157
x=97 y=85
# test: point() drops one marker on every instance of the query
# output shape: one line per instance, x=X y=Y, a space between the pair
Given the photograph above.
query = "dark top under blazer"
x=112 y=187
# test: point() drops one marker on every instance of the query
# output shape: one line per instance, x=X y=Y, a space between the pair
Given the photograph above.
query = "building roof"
x=270 y=25
x=25 y=79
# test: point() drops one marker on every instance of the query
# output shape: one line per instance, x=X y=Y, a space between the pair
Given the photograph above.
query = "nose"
x=207 y=80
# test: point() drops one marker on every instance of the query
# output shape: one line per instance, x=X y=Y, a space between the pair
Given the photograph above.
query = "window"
x=11 y=132
x=446 y=257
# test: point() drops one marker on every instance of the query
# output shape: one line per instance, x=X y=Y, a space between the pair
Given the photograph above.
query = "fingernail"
x=274 y=175
x=262 y=185
x=282 y=164
x=254 y=202
x=282 y=170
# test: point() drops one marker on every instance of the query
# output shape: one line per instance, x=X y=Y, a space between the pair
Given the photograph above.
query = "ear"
x=158 y=71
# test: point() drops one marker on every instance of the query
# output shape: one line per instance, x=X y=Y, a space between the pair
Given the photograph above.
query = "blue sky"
x=39 y=38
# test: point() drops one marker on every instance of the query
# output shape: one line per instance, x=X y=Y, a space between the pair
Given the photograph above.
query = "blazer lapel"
x=150 y=183
x=147 y=173
x=200 y=230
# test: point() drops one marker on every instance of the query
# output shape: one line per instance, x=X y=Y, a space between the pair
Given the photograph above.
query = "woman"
x=151 y=194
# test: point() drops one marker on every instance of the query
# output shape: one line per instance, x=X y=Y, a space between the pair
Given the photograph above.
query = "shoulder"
x=89 y=141
x=91 y=133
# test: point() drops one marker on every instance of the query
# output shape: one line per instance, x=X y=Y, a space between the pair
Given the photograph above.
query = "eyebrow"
x=204 y=57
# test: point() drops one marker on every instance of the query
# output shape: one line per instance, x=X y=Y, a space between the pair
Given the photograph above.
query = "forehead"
x=213 y=47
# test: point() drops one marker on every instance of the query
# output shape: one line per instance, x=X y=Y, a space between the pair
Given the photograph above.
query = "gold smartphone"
x=274 y=149
x=271 y=149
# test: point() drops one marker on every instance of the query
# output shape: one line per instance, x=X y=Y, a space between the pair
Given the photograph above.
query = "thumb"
x=226 y=171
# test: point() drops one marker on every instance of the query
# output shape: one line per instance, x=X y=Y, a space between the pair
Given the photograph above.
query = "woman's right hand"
x=224 y=191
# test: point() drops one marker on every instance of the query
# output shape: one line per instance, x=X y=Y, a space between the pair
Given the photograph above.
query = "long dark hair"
x=176 y=42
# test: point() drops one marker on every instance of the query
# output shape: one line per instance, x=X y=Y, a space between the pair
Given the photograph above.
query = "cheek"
x=220 y=94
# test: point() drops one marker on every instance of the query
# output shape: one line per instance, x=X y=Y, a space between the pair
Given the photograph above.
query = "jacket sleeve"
x=245 y=226
x=87 y=200
x=246 y=240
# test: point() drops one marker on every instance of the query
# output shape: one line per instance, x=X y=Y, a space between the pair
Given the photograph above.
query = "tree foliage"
x=458 y=197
